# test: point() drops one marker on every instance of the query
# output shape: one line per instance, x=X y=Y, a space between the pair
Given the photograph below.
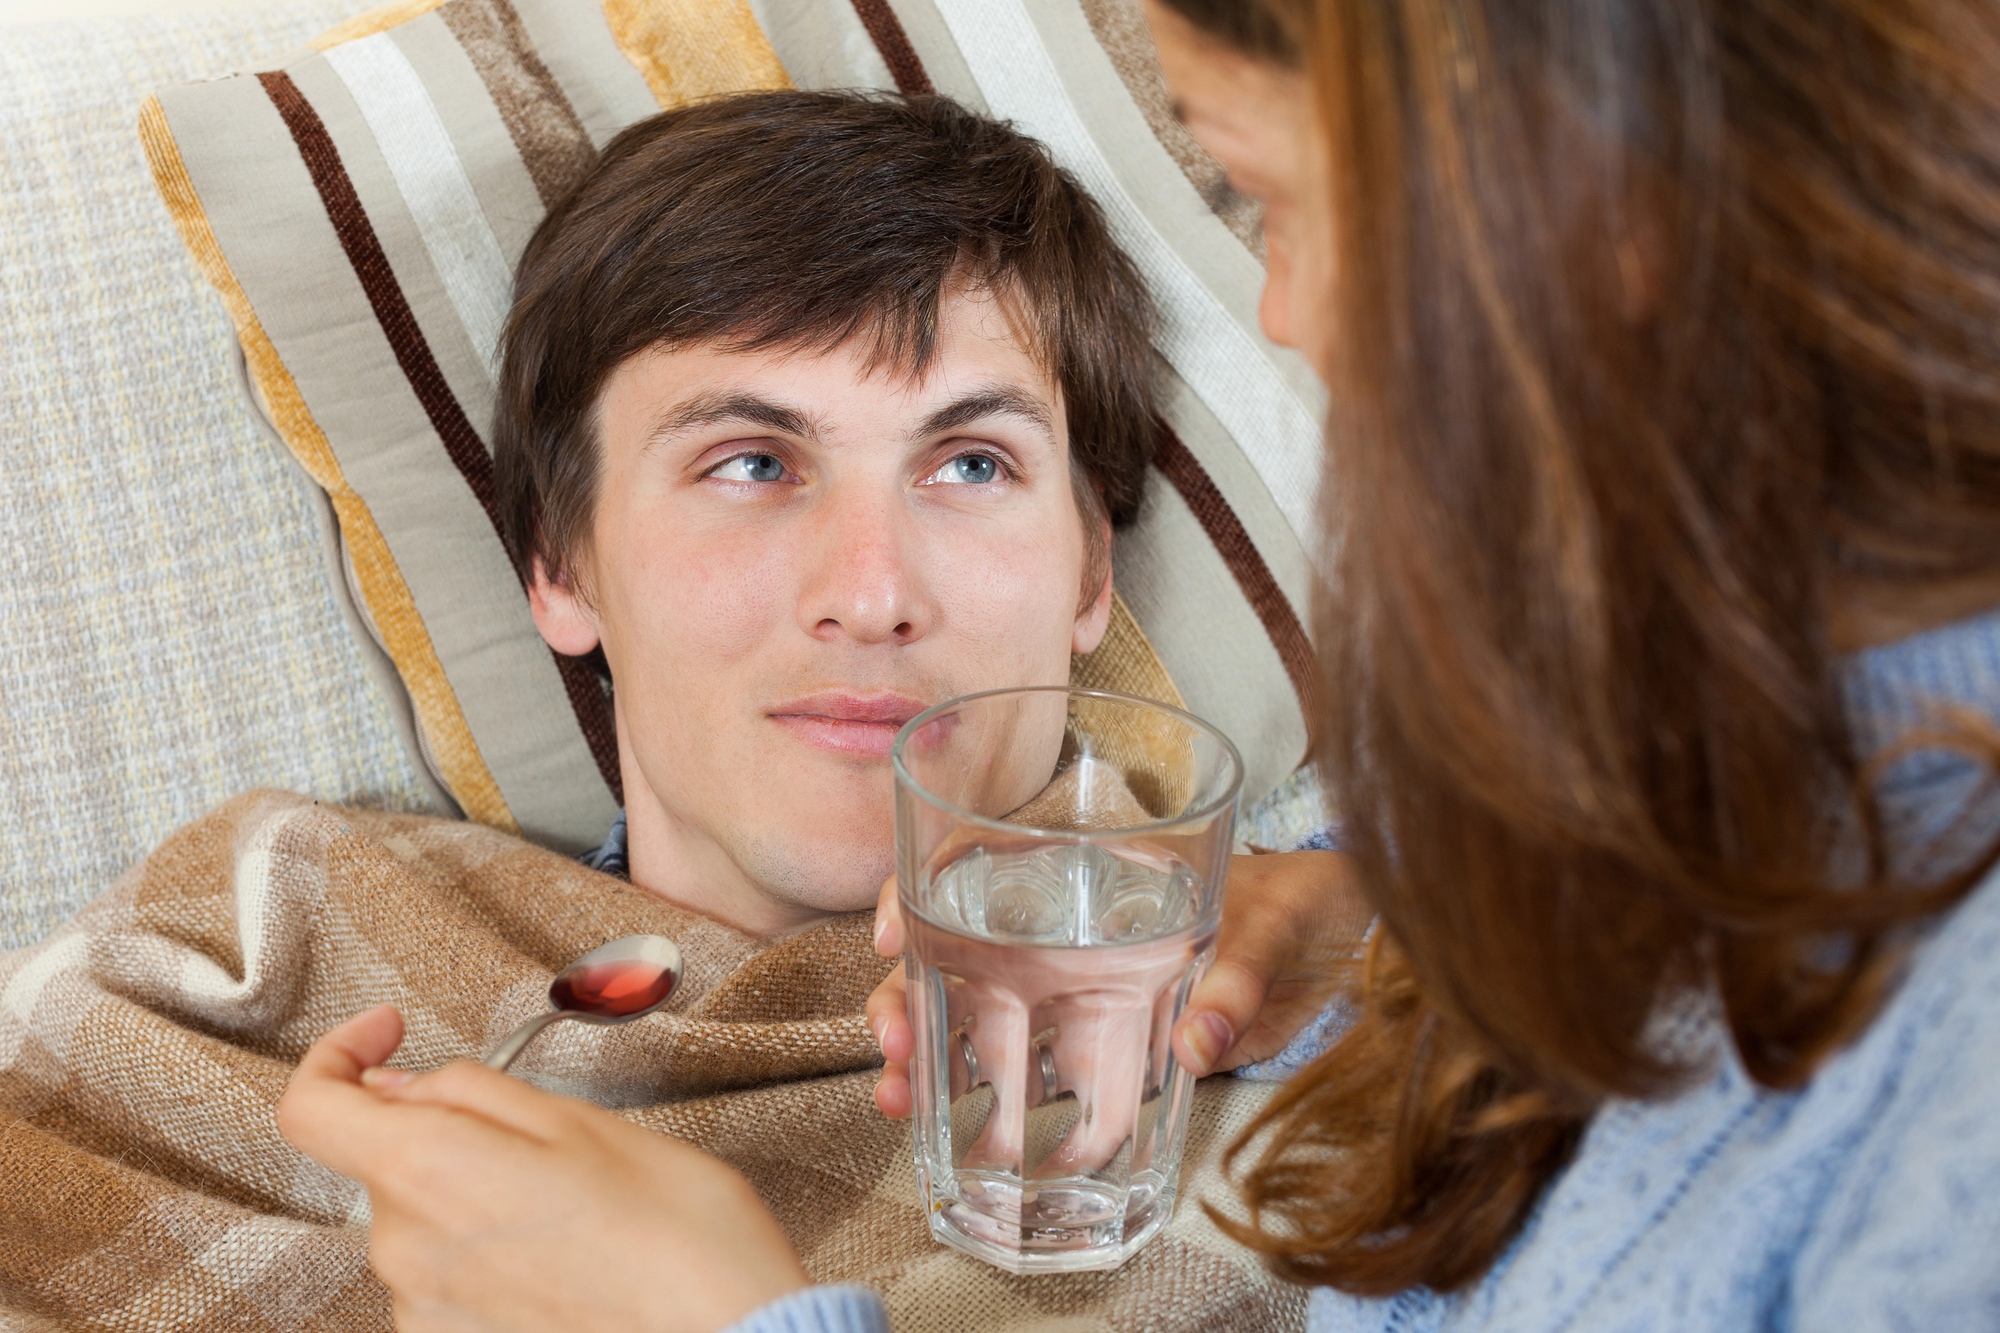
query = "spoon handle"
x=517 y=1041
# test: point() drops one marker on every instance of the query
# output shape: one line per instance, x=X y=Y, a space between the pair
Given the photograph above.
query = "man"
x=792 y=510
x=815 y=411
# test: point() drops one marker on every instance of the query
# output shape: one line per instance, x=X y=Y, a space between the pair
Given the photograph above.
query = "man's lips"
x=863 y=725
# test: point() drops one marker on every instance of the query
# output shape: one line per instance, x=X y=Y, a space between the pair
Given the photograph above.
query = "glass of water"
x=1060 y=861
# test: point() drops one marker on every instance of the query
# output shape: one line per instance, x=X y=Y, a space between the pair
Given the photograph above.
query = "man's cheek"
x=717 y=601
x=1014 y=604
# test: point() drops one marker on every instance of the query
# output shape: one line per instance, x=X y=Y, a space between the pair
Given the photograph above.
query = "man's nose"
x=862 y=583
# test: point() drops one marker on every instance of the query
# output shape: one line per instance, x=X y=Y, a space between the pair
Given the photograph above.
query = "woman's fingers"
x=889 y=1010
x=500 y=1099
x=889 y=1019
x=892 y=1092
x=362 y=1042
x=1288 y=923
x=1249 y=954
x=1225 y=1004
x=341 y=1079
x=326 y=1112
x=888 y=920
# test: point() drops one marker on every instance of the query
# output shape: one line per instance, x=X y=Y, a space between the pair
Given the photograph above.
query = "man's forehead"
x=808 y=392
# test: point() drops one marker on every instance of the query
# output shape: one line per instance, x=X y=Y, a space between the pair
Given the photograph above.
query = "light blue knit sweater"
x=1869 y=1200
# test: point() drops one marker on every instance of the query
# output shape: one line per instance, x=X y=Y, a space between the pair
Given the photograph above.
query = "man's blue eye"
x=977 y=469
x=753 y=467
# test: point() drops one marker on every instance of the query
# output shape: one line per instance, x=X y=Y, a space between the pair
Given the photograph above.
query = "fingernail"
x=881 y=926
x=1210 y=1038
x=382 y=1079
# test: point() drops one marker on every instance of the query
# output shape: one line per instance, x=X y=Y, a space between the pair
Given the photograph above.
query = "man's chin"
x=819 y=875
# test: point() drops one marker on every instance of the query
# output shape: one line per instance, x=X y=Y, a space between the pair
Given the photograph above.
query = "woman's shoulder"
x=1833 y=1204
x=1908 y=1232
x=1869 y=1199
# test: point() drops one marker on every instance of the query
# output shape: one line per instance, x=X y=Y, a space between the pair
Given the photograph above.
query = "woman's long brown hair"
x=1665 y=334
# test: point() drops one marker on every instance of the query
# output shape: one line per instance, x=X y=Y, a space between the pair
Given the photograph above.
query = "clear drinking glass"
x=1060 y=860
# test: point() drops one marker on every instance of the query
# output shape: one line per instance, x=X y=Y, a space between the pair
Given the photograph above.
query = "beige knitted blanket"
x=143 y=1184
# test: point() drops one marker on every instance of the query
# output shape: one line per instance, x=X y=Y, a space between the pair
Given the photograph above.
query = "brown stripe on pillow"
x=546 y=130
x=413 y=354
x=893 y=45
x=378 y=282
x=1246 y=564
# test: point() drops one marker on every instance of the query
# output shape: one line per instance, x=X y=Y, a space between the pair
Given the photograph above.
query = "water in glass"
x=1046 y=981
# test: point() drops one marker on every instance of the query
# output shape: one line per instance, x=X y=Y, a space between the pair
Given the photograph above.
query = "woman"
x=1664 y=526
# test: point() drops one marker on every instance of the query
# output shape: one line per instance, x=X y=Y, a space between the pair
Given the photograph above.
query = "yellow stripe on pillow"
x=379 y=19
x=431 y=696
x=691 y=49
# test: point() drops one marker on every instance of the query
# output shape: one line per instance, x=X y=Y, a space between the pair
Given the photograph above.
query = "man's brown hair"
x=805 y=219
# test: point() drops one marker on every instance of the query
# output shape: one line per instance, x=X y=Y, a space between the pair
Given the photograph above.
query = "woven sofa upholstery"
x=168 y=633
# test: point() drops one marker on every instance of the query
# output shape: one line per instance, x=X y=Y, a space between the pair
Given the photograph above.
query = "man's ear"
x=566 y=621
x=1095 y=615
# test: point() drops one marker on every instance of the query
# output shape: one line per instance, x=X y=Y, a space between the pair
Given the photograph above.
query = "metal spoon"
x=613 y=983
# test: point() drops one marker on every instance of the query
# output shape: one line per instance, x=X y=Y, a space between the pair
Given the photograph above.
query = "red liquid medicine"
x=613 y=990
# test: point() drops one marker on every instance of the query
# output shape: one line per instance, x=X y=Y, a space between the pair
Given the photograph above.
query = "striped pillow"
x=360 y=206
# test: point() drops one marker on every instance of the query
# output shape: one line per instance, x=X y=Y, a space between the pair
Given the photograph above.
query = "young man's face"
x=792 y=555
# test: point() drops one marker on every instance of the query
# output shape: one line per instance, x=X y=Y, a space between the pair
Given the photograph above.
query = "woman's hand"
x=1290 y=924
x=501 y=1207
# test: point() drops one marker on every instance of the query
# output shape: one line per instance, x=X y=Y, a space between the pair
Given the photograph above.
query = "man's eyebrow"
x=706 y=409
x=981 y=403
